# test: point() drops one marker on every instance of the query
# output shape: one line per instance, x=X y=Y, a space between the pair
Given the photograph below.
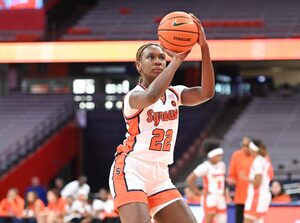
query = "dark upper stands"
x=138 y=20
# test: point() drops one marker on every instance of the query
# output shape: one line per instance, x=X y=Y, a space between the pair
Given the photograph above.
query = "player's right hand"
x=180 y=56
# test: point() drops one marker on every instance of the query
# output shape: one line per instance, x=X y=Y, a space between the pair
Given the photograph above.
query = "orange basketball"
x=178 y=32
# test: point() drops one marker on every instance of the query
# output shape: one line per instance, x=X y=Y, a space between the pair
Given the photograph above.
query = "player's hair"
x=263 y=151
x=142 y=48
x=140 y=52
x=261 y=146
x=209 y=144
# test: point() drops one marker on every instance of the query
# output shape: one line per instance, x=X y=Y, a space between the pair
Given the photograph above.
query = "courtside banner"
x=124 y=51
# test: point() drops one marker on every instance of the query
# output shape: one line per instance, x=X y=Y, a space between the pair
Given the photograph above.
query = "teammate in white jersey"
x=258 y=194
x=139 y=177
x=212 y=172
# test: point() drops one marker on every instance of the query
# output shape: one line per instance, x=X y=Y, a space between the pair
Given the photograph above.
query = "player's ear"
x=138 y=65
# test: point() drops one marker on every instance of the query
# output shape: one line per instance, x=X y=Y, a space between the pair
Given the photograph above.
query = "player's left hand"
x=202 y=37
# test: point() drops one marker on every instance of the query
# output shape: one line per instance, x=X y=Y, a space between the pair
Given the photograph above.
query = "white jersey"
x=258 y=198
x=260 y=166
x=152 y=131
x=213 y=176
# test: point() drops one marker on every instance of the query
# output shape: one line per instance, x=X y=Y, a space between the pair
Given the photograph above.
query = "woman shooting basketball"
x=139 y=178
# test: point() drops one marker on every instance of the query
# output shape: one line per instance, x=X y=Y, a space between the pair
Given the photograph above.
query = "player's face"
x=252 y=153
x=275 y=188
x=216 y=159
x=153 y=61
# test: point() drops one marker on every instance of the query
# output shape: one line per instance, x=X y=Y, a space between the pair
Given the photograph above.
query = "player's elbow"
x=208 y=95
x=189 y=180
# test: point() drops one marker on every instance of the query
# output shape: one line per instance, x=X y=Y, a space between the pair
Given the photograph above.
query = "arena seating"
x=25 y=120
x=276 y=121
x=138 y=20
x=22 y=25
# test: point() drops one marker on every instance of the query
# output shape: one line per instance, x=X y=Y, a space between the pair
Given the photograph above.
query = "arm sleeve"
x=258 y=166
x=201 y=170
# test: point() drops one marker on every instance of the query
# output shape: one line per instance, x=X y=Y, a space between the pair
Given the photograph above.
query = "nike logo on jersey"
x=180 y=23
x=156 y=117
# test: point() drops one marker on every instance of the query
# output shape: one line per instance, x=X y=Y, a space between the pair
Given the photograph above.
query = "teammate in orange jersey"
x=139 y=178
x=258 y=194
x=241 y=160
x=212 y=172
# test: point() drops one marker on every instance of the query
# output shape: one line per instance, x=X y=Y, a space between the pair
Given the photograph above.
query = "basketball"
x=178 y=32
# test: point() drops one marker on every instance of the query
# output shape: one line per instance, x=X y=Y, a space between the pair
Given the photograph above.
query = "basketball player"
x=258 y=195
x=212 y=172
x=139 y=178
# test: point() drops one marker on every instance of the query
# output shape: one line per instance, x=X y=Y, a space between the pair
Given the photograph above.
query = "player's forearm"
x=164 y=79
x=190 y=180
x=208 y=75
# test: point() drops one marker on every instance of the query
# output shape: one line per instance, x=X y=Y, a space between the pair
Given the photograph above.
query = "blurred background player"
x=258 y=194
x=240 y=161
x=212 y=172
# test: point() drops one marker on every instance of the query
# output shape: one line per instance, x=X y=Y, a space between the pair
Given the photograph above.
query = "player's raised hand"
x=181 y=56
x=202 y=37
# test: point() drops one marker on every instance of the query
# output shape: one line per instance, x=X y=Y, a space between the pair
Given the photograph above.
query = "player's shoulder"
x=177 y=88
x=204 y=164
x=259 y=160
x=238 y=153
x=222 y=163
x=138 y=87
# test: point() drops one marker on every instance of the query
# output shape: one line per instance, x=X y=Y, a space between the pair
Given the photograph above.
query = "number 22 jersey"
x=152 y=131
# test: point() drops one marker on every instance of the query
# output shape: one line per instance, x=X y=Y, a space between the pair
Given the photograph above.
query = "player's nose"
x=157 y=61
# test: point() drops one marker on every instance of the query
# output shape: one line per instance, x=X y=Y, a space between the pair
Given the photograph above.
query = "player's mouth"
x=157 y=70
